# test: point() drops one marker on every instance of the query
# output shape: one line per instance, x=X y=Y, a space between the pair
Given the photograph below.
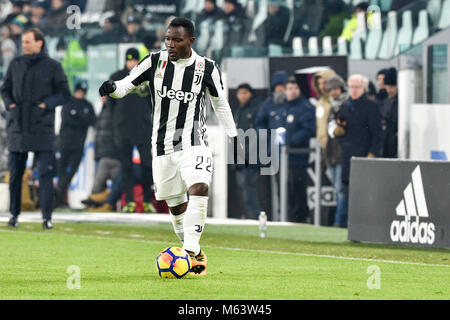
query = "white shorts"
x=174 y=173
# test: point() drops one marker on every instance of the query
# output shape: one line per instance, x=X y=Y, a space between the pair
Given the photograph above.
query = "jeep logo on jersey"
x=178 y=95
x=412 y=208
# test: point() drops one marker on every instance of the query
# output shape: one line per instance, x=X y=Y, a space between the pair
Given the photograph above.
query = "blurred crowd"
x=349 y=118
x=353 y=118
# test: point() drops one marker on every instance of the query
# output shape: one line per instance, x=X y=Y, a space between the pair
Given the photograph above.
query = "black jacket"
x=363 y=131
x=105 y=147
x=275 y=26
x=132 y=115
x=76 y=117
x=245 y=117
x=236 y=27
x=29 y=81
x=390 y=121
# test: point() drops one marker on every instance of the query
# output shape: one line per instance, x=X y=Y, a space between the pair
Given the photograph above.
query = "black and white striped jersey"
x=179 y=91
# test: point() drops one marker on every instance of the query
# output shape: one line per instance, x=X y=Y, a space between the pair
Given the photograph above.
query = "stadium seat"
x=444 y=21
x=374 y=38
x=93 y=11
x=356 y=47
x=259 y=18
x=385 y=5
x=342 y=47
x=313 y=46
x=405 y=33
x=275 y=50
x=217 y=40
x=422 y=31
x=203 y=38
x=389 y=37
x=297 y=47
x=327 y=46
x=434 y=10
x=290 y=6
x=192 y=6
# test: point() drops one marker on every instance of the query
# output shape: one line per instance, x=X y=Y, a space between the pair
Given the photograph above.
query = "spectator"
x=34 y=86
x=236 y=23
x=3 y=142
x=77 y=115
x=9 y=49
x=210 y=14
x=107 y=156
x=134 y=33
x=132 y=124
x=117 y=189
x=308 y=16
x=38 y=11
x=381 y=94
x=17 y=26
x=335 y=15
x=389 y=115
x=17 y=9
x=245 y=117
x=56 y=17
x=333 y=153
x=372 y=92
x=353 y=24
x=112 y=30
x=270 y=116
x=359 y=125
x=275 y=26
x=300 y=127
x=323 y=105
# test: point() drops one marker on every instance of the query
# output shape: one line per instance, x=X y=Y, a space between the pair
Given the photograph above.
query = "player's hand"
x=371 y=156
x=107 y=87
x=239 y=151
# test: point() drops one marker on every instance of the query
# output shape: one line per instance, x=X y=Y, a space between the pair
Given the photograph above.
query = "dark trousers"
x=45 y=165
x=67 y=167
x=247 y=180
x=298 y=207
x=126 y=161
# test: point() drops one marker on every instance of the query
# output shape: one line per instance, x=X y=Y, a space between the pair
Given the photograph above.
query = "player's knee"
x=177 y=210
x=199 y=189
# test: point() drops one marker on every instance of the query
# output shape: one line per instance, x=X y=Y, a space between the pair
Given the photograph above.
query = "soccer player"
x=180 y=81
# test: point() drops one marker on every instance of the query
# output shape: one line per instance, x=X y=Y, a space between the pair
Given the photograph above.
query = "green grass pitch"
x=117 y=261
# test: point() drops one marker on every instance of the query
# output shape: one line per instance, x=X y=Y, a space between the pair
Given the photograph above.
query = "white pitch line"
x=249 y=250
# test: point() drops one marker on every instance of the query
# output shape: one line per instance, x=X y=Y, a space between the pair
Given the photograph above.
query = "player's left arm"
x=216 y=93
x=138 y=75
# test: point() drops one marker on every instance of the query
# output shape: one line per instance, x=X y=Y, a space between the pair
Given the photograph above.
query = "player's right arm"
x=119 y=89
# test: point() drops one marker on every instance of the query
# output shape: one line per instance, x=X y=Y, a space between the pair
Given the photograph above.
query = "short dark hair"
x=185 y=23
x=362 y=6
x=292 y=80
x=38 y=35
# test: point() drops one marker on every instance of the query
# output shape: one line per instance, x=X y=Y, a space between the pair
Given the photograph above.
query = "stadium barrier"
x=400 y=202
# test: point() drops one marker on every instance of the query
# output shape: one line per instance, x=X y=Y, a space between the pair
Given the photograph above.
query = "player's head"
x=131 y=58
x=358 y=85
x=390 y=82
x=244 y=94
x=292 y=89
x=32 y=41
x=179 y=38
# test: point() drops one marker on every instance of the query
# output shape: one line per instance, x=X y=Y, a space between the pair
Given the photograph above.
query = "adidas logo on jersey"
x=179 y=95
x=412 y=208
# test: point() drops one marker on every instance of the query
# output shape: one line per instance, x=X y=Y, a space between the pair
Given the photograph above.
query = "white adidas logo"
x=412 y=208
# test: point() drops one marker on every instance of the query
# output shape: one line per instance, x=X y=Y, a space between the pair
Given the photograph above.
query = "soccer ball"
x=173 y=263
